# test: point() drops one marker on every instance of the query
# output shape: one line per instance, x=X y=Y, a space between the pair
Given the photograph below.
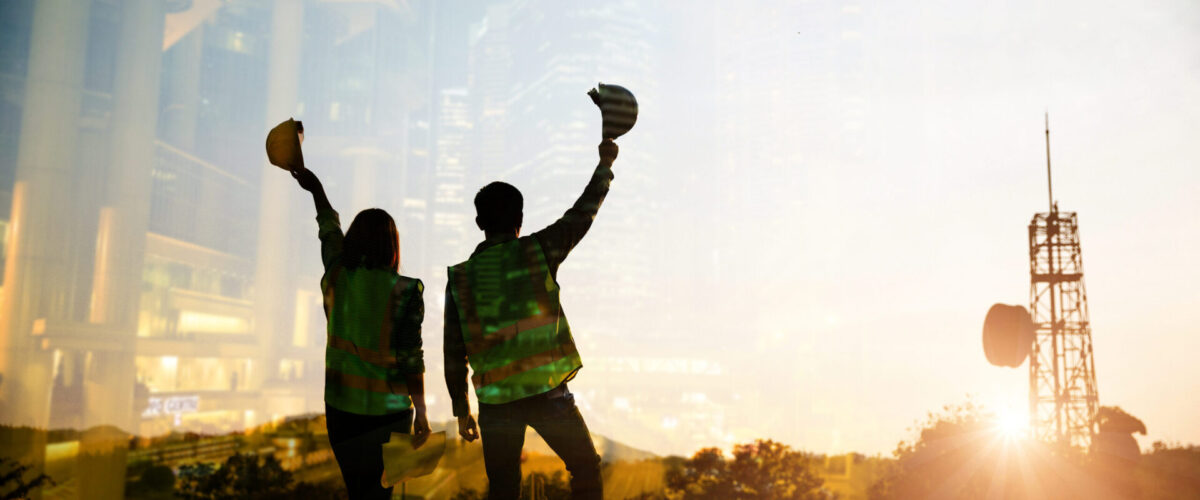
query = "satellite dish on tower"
x=1008 y=334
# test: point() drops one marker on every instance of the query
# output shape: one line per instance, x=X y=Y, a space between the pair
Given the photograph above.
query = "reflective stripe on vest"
x=518 y=341
x=360 y=364
x=365 y=383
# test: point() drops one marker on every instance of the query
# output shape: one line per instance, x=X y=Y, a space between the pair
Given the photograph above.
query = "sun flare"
x=1012 y=424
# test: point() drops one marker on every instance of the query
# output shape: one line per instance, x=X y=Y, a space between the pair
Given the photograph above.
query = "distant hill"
x=628 y=471
x=610 y=450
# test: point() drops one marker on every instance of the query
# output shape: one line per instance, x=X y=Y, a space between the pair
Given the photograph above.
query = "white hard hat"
x=618 y=108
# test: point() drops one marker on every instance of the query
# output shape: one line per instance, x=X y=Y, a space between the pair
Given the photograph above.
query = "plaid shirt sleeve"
x=410 y=357
x=329 y=230
x=455 y=358
x=559 y=238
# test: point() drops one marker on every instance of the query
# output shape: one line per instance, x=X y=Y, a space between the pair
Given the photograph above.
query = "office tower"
x=363 y=93
x=453 y=230
x=792 y=101
x=78 y=220
x=531 y=64
x=157 y=274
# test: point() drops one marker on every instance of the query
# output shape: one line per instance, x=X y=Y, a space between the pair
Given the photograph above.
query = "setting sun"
x=1012 y=424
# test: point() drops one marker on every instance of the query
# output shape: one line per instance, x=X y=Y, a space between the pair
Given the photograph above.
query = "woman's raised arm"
x=309 y=182
x=329 y=227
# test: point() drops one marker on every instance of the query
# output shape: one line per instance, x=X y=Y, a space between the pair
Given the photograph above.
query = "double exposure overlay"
x=785 y=292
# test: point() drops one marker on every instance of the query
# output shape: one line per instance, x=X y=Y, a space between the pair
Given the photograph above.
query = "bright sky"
x=848 y=295
x=825 y=197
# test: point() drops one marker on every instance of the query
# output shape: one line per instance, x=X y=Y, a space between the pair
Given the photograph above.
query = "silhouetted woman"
x=373 y=360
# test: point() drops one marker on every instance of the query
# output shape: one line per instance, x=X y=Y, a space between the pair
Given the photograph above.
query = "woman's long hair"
x=372 y=242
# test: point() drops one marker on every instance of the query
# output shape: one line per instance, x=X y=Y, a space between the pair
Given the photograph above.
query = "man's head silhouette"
x=498 y=209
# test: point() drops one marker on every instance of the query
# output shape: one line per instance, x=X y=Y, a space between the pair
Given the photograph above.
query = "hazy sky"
x=831 y=194
x=840 y=191
x=851 y=296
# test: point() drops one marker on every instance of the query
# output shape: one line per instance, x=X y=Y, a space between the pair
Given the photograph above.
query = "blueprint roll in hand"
x=402 y=462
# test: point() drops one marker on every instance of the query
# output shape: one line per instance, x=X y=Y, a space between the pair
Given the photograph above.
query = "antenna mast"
x=1063 y=400
x=1049 y=182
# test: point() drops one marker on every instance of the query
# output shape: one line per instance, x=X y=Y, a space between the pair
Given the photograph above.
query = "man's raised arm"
x=559 y=238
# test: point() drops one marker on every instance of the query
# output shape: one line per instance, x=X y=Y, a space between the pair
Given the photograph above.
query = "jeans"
x=557 y=420
x=357 y=442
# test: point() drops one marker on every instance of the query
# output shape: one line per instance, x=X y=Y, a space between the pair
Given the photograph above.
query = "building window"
x=291 y=369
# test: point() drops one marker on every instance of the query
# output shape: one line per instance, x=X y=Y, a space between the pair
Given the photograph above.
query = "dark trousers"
x=357 y=442
x=557 y=420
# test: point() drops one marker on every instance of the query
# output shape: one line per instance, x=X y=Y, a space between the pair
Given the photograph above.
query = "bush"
x=763 y=469
x=961 y=453
x=13 y=483
x=548 y=487
x=153 y=481
x=247 y=476
x=1169 y=471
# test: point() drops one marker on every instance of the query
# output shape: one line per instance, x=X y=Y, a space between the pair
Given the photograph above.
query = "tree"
x=706 y=474
x=13 y=483
x=246 y=476
x=535 y=486
x=762 y=470
x=468 y=494
x=944 y=442
x=1115 y=453
x=1169 y=471
x=146 y=480
x=961 y=452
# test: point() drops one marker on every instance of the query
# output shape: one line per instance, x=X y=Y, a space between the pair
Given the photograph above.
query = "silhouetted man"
x=503 y=317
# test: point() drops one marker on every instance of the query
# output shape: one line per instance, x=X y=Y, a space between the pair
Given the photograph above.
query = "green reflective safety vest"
x=517 y=338
x=364 y=373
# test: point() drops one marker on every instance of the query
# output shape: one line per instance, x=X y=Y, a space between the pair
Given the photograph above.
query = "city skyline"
x=807 y=225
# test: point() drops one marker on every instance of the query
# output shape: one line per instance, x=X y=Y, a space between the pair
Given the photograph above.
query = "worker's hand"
x=467 y=428
x=608 y=151
x=306 y=179
x=421 y=429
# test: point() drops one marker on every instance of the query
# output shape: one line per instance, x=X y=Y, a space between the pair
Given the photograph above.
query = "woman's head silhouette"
x=372 y=242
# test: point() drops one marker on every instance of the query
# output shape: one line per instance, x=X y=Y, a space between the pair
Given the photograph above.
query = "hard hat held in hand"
x=283 y=145
x=618 y=108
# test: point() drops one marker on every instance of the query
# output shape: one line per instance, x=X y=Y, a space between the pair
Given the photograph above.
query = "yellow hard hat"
x=283 y=145
x=618 y=109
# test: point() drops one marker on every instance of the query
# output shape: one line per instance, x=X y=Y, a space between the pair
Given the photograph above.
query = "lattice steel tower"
x=1062 y=371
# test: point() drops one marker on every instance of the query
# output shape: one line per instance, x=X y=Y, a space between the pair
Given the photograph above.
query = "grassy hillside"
x=628 y=471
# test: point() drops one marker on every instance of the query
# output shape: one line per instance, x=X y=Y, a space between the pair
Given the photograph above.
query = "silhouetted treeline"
x=961 y=453
x=18 y=480
x=957 y=452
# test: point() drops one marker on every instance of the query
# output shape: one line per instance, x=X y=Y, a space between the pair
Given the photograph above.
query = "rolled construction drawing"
x=283 y=145
x=618 y=109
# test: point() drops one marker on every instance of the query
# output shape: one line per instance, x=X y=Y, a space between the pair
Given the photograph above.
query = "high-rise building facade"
x=159 y=275
x=182 y=294
x=531 y=65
